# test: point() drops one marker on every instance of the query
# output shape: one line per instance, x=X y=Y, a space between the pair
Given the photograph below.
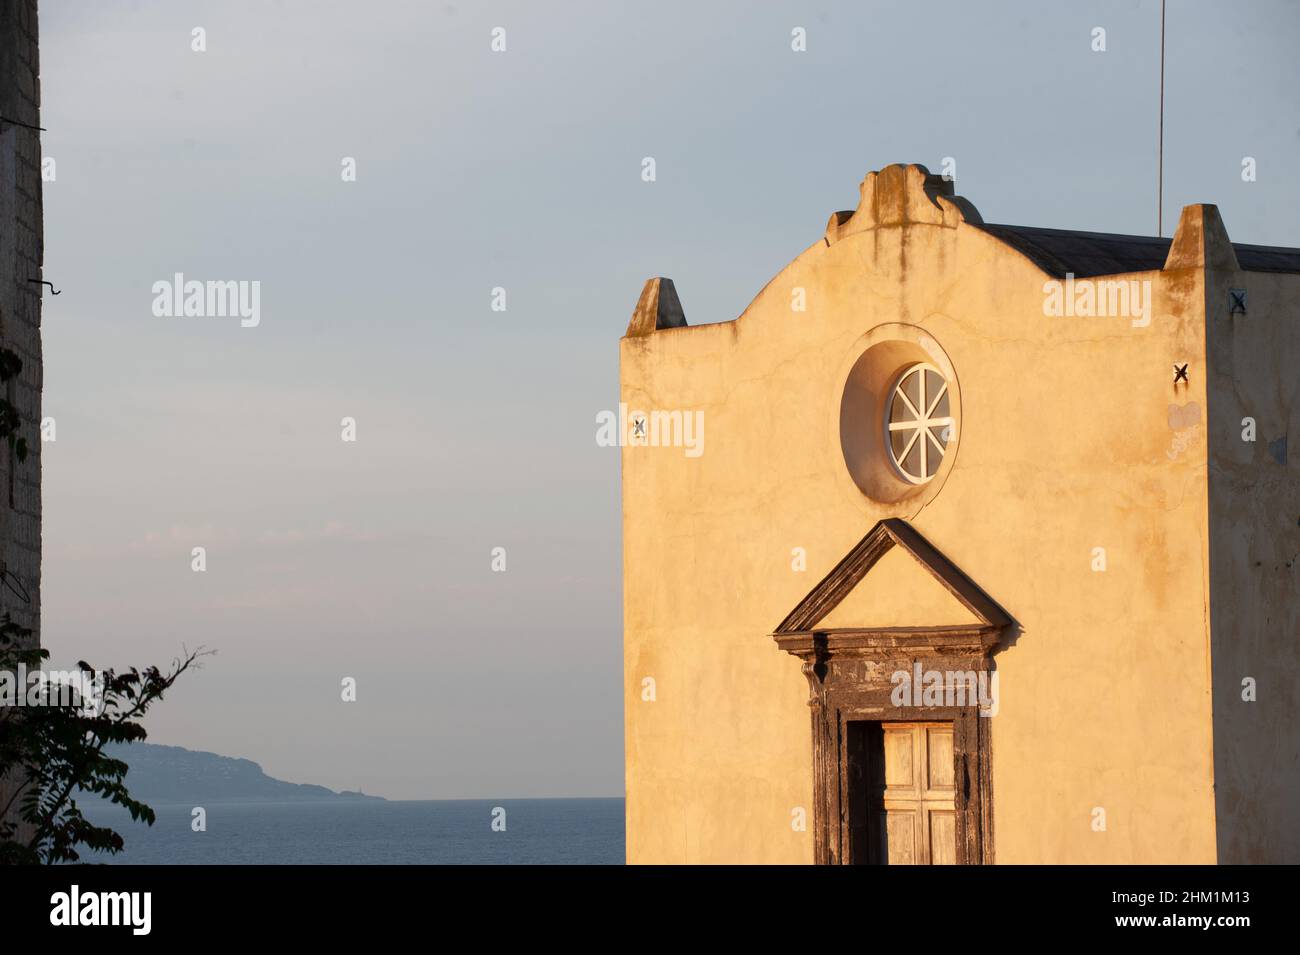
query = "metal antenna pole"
x=1160 y=156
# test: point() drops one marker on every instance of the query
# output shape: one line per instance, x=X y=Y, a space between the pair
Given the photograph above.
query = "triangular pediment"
x=894 y=579
x=898 y=592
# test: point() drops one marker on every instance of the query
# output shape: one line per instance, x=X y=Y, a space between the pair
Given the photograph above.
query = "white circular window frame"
x=919 y=425
x=895 y=497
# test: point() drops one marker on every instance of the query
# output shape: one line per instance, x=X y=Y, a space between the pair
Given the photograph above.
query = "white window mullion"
x=920 y=424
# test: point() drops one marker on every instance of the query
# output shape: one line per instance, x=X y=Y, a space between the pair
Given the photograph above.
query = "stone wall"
x=21 y=239
x=21 y=255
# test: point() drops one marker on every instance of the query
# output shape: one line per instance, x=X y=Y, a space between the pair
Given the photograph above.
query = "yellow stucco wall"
x=1254 y=362
x=1066 y=445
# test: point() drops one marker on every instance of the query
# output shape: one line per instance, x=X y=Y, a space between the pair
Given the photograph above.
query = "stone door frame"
x=852 y=676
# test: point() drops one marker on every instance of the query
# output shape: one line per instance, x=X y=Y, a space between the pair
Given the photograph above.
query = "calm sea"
x=537 y=831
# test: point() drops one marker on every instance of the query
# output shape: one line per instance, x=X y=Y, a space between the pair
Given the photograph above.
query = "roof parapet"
x=657 y=308
x=900 y=195
x=1201 y=241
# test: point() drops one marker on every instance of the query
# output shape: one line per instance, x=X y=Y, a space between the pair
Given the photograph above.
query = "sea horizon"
x=581 y=830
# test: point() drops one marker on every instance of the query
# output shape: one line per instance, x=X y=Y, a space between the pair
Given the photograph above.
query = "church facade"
x=985 y=548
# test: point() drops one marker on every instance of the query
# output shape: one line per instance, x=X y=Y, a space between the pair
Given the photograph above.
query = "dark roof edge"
x=1088 y=254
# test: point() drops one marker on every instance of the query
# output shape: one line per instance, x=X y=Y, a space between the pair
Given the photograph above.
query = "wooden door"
x=914 y=808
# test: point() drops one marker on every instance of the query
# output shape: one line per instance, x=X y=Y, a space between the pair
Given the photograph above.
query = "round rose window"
x=919 y=423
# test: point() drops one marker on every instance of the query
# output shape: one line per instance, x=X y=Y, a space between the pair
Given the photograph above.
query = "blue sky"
x=476 y=428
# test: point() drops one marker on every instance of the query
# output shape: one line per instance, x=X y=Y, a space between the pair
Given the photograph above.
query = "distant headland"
x=173 y=774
